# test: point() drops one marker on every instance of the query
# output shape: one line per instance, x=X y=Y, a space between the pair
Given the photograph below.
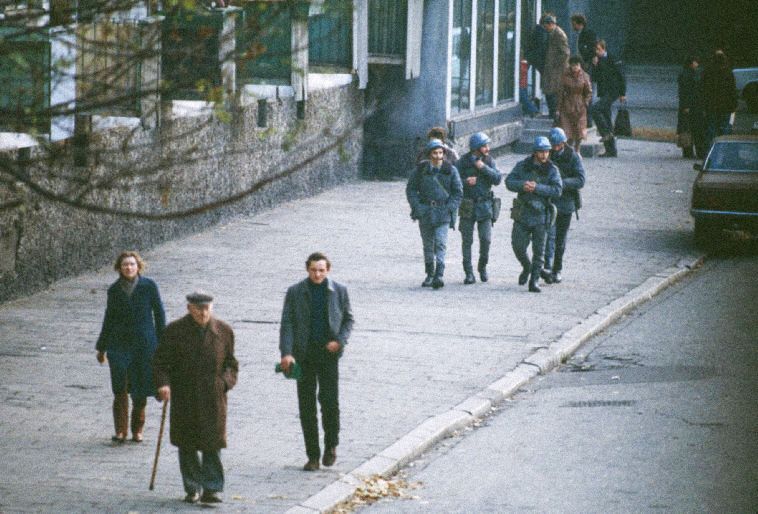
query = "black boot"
x=469 y=271
x=546 y=276
x=610 y=147
x=523 y=277
x=482 y=266
x=437 y=281
x=533 y=287
x=429 y=267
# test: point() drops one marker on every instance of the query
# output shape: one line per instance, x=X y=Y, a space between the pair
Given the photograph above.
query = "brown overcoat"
x=199 y=366
x=573 y=98
x=556 y=61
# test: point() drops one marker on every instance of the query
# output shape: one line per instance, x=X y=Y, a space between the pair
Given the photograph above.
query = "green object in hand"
x=295 y=371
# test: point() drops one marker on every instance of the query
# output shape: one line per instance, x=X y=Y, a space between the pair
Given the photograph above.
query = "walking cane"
x=158 y=446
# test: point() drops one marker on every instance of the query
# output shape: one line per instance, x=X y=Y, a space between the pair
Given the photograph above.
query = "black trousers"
x=320 y=379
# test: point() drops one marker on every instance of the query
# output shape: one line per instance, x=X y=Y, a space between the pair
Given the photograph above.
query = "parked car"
x=725 y=192
x=746 y=80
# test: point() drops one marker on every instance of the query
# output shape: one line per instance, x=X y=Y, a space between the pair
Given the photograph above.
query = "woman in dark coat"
x=134 y=320
x=689 y=124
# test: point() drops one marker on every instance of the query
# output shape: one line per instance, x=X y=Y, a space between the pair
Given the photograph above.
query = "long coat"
x=199 y=366
x=130 y=331
x=556 y=61
x=294 y=330
x=573 y=98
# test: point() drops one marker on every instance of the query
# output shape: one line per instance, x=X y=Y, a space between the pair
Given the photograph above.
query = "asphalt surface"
x=656 y=414
x=415 y=354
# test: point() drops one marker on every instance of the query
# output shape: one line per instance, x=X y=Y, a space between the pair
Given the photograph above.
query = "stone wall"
x=187 y=162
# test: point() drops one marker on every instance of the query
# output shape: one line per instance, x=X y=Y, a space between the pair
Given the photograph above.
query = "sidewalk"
x=414 y=354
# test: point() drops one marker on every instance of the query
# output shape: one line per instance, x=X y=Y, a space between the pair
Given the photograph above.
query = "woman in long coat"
x=573 y=100
x=134 y=320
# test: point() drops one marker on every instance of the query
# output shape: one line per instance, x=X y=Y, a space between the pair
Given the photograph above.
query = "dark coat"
x=571 y=169
x=132 y=323
x=294 y=330
x=586 y=45
x=481 y=192
x=536 y=47
x=719 y=90
x=609 y=77
x=690 y=93
x=131 y=329
x=434 y=196
x=200 y=368
x=536 y=209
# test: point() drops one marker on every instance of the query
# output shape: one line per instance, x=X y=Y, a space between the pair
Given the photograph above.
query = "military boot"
x=533 y=281
x=610 y=147
x=469 y=271
x=437 y=281
x=481 y=267
x=429 y=268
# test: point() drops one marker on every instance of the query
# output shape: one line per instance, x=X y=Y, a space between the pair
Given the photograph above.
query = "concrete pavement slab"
x=414 y=356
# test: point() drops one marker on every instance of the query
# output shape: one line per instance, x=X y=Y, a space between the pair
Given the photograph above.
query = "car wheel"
x=750 y=95
x=704 y=234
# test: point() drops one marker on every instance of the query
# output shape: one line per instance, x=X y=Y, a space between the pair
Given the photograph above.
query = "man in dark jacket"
x=478 y=174
x=194 y=367
x=719 y=97
x=572 y=176
x=434 y=192
x=316 y=323
x=537 y=181
x=586 y=40
x=611 y=86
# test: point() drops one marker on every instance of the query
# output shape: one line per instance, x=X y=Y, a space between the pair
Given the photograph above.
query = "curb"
x=436 y=428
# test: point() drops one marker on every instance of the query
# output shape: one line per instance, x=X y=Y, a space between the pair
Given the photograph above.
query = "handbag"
x=497 y=203
x=623 y=125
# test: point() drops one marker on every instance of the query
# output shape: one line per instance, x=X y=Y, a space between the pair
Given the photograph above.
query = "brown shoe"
x=330 y=456
x=137 y=438
x=311 y=465
x=118 y=438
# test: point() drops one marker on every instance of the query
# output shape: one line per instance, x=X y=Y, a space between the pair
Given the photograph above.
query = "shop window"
x=461 y=57
x=330 y=35
x=506 y=50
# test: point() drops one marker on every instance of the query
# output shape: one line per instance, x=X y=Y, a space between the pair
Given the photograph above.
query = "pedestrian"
x=689 y=122
x=611 y=86
x=316 y=323
x=719 y=97
x=537 y=181
x=195 y=367
x=134 y=321
x=573 y=101
x=571 y=168
x=586 y=40
x=440 y=133
x=556 y=62
x=478 y=174
x=434 y=192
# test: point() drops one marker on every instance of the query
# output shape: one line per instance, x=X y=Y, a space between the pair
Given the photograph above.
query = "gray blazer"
x=294 y=330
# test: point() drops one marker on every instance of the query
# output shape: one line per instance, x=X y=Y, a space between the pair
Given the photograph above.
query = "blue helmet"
x=478 y=140
x=557 y=136
x=541 y=143
x=433 y=144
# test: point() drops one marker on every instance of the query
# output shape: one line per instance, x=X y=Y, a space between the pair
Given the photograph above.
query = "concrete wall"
x=187 y=162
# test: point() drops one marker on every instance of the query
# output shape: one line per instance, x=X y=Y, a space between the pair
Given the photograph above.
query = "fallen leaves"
x=375 y=488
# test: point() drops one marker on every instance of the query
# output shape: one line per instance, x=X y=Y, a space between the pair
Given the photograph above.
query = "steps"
x=541 y=125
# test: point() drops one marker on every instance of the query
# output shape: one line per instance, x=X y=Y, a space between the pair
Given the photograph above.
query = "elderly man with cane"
x=194 y=367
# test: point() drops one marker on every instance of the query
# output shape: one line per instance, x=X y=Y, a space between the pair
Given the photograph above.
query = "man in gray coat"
x=315 y=327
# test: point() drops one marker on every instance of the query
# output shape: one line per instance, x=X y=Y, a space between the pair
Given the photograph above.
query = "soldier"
x=434 y=192
x=194 y=367
x=537 y=181
x=571 y=169
x=478 y=174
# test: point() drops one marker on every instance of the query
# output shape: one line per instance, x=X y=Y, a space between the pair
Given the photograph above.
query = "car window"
x=733 y=156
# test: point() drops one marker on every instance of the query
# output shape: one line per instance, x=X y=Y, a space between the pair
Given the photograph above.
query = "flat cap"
x=547 y=18
x=199 y=298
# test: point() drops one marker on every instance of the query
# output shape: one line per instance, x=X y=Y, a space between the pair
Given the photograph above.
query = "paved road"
x=414 y=353
x=658 y=414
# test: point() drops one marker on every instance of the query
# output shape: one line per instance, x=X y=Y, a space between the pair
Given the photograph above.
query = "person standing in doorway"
x=316 y=324
x=134 y=321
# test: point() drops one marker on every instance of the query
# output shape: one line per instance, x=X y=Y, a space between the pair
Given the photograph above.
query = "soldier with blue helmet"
x=537 y=181
x=571 y=169
x=478 y=174
x=434 y=192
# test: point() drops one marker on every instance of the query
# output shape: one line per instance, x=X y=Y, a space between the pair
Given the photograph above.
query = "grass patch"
x=665 y=135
